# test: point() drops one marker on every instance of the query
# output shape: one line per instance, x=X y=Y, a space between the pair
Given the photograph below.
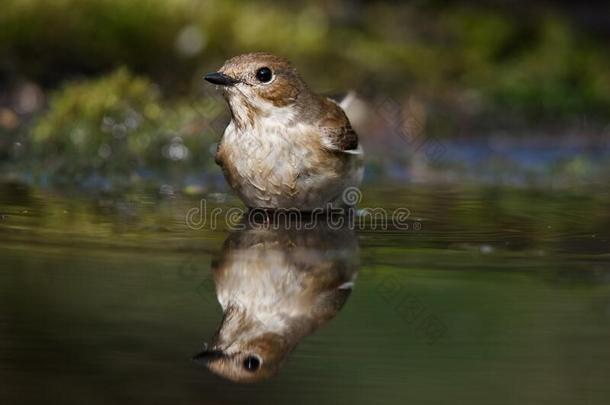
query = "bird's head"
x=251 y=360
x=260 y=85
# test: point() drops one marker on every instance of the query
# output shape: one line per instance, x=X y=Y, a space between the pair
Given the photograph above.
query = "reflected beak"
x=220 y=79
x=208 y=356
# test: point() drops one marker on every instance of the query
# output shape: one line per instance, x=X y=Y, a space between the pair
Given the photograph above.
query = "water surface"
x=492 y=296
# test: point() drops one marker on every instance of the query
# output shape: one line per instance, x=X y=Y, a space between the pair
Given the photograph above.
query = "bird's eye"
x=264 y=74
x=252 y=363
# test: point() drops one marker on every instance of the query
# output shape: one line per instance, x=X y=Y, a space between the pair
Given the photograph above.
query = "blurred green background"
x=106 y=92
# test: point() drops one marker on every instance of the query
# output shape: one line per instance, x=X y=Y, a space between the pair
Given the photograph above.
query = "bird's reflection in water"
x=275 y=287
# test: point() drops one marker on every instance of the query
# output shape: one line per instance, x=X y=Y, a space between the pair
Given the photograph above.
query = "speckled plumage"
x=285 y=146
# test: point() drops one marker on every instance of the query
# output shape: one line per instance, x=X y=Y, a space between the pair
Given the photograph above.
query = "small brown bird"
x=285 y=147
x=276 y=286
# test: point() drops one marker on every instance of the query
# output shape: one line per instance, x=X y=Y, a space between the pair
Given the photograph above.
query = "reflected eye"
x=264 y=74
x=252 y=363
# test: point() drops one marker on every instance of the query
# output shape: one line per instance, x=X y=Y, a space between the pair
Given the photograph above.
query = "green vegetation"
x=536 y=62
x=117 y=124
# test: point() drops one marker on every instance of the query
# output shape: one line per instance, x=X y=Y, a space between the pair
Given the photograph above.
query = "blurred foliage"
x=475 y=59
x=118 y=124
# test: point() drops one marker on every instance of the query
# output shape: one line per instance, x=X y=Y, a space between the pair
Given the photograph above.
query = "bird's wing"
x=336 y=131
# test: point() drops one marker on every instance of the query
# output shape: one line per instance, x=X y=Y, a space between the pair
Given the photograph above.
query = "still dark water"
x=491 y=296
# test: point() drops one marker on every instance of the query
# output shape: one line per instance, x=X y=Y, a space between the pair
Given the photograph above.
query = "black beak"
x=207 y=356
x=220 y=78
